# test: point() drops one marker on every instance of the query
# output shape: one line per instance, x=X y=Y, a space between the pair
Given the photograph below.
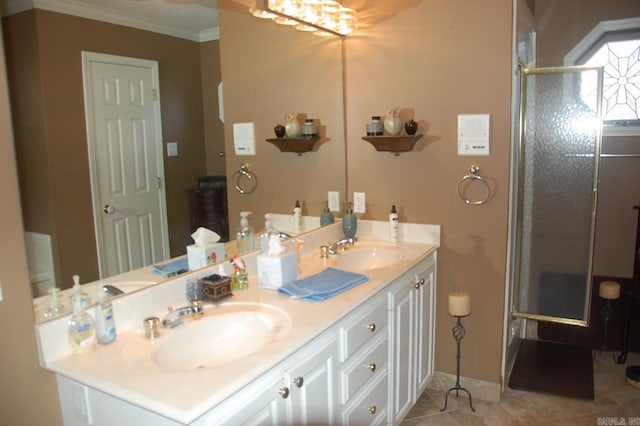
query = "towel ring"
x=474 y=169
x=249 y=176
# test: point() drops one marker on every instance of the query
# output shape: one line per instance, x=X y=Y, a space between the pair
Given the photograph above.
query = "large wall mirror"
x=268 y=71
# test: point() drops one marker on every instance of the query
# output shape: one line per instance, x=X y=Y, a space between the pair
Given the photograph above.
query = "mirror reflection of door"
x=122 y=108
x=559 y=157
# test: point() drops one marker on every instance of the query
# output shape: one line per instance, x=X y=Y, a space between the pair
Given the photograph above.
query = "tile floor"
x=615 y=403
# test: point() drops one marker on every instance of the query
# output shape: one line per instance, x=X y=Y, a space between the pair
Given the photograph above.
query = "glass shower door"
x=558 y=172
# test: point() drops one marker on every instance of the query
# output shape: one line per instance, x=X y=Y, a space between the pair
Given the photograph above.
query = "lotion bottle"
x=394 y=225
x=244 y=236
x=105 y=323
x=297 y=218
x=82 y=329
x=349 y=223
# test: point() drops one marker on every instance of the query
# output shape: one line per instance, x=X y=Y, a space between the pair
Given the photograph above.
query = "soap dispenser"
x=82 y=329
x=244 y=236
x=82 y=297
x=326 y=218
x=105 y=323
x=349 y=222
x=297 y=218
x=264 y=237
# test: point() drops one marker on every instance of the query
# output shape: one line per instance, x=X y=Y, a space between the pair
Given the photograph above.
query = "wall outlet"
x=334 y=201
x=359 y=202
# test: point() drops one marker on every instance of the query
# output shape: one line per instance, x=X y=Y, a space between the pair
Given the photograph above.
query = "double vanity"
x=363 y=356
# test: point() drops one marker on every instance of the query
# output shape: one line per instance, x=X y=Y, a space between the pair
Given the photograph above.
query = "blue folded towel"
x=323 y=285
x=172 y=268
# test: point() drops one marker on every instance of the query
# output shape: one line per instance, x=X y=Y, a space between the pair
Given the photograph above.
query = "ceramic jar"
x=292 y=125
x=393 y=122
x=411 y=127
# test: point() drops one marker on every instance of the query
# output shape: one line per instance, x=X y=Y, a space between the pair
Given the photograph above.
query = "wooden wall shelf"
x=393 y=143
x=298 y=145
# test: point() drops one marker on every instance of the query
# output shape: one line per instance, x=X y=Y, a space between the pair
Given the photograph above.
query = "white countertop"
x=184 y=396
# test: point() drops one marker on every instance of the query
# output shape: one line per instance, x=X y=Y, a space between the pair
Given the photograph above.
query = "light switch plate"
x=172 y=149
x=244 y=138
x=359 y=202
x=334 y=201
x=473 y=134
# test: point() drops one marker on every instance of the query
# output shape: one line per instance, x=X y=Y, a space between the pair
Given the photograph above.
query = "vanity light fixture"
x=324 y=17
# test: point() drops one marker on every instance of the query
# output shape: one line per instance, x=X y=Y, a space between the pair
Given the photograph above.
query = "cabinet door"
x=312 y=383
x=403 y=302
x=265 y=407
x=424 y=329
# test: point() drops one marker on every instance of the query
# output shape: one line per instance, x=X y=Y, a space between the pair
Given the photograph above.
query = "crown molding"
x=83 y=10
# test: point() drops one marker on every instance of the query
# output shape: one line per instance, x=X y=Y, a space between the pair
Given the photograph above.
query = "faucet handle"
x=197 y=309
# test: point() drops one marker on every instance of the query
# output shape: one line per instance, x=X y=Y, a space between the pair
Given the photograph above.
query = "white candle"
x=609 y=290
x=459 y=304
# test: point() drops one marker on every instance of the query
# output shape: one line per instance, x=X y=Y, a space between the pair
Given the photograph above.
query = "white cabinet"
x=411 y=336
x=301 y=391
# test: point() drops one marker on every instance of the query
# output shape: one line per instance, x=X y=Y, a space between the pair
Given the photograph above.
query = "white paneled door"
x=122 y=108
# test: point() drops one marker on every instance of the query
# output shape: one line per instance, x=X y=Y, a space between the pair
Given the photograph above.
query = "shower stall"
x=560 y=119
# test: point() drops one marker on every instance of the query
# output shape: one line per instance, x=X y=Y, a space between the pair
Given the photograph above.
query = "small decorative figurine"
x=279 y=130
x=393 y=122
x=411 y=127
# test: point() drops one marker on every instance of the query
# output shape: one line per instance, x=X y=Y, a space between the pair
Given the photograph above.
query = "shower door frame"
x=524 y=72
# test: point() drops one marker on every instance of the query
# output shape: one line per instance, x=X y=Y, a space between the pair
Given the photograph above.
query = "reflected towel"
x=323 y=285
x=172 y=268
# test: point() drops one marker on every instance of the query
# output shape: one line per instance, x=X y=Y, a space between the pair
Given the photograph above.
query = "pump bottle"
x=394 y=225
x=349 y=223
x=326 y=218
x=297 y=218
x=264 y=237
x=105 y=323
x=244 y=236
x=82 y=329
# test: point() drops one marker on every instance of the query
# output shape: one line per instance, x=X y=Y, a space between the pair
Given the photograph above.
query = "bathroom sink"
x=225 y=333
x=368 y=256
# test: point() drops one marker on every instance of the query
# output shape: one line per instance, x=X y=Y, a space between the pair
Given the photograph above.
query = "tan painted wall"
x=269 y=71
x=29 y=395
x=56 y=132
x=436 y=60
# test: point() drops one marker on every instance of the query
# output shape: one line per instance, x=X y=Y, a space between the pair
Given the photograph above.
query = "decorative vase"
x=411 y=127
x=279 y=130
x=393 y=122
x=292 y=125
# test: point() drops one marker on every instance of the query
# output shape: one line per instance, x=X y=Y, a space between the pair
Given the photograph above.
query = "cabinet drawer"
x=363 y=328
x=363 y=368
x=371 y=406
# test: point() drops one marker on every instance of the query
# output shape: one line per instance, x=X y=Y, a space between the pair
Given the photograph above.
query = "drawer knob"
x=372 y=366
x=419 y=283
x=372 y=409
x=298 y=381
x=284 y=392
x=371 y=327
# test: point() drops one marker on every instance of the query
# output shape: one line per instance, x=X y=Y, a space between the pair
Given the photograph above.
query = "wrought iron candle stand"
x=458 y=334
x=606 y=313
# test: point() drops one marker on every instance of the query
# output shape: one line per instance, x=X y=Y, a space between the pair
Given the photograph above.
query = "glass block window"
x=621 y=81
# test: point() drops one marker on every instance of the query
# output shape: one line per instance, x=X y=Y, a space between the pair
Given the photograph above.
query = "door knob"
x=284 y=392
x=109 y=209
x=298 y=381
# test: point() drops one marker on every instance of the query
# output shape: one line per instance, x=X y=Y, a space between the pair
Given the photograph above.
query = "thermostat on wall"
x=473 y=134
x=244 y=138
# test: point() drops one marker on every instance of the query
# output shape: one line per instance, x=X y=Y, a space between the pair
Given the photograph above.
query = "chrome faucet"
x=341 y=244
x=175 y=317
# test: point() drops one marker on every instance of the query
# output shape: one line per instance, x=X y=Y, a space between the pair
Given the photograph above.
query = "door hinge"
x=154 y=94
x=159 y=182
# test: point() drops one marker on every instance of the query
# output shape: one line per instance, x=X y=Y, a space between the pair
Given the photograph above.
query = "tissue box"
x=276 y=271
x=199 y=257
